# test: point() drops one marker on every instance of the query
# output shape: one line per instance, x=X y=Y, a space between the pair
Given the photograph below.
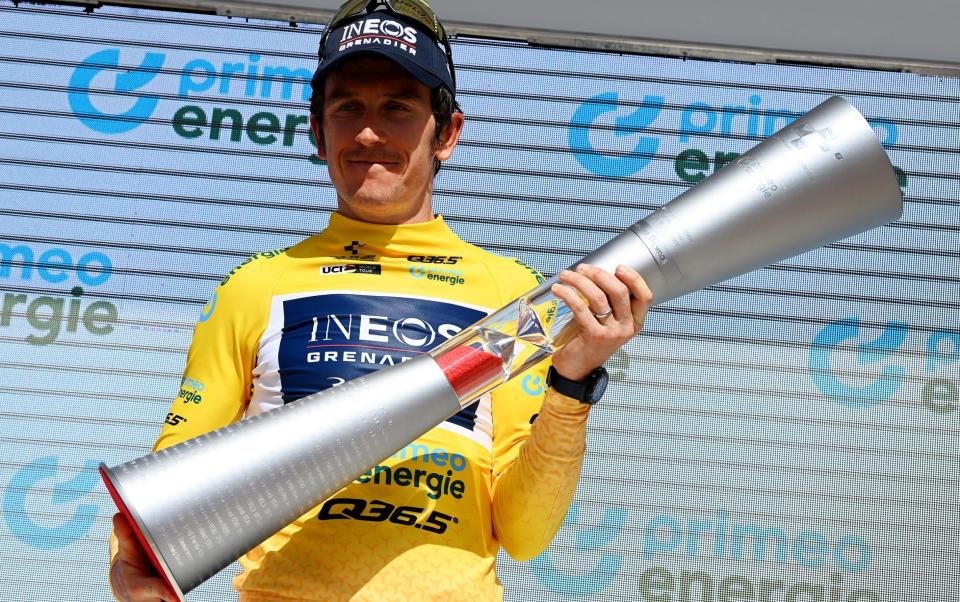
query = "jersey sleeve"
x=538 y=446
x=216 y=383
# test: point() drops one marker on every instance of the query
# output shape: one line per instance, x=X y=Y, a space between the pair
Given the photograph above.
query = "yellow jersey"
x=428 y=521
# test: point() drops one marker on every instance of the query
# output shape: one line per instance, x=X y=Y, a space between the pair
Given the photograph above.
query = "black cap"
x=403 y=40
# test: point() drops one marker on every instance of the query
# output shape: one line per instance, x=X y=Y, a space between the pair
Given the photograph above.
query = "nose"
x=369 y=135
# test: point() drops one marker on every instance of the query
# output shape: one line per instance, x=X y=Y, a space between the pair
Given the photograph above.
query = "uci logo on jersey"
x=351 y=268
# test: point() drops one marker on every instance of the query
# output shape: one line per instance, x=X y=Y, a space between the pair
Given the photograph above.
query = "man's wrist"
x=573 y=372
x=587 y=390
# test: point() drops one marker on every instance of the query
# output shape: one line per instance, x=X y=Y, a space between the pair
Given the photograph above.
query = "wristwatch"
x=588 y=391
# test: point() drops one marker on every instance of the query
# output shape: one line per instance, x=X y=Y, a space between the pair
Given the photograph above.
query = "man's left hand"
x=608 y=310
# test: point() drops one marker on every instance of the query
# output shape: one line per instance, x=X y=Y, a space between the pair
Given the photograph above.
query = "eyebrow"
x=344 y=94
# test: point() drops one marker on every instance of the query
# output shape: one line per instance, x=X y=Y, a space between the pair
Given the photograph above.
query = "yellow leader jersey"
x=427 y=522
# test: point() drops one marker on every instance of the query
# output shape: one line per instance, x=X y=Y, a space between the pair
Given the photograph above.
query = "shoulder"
x=255 y=265
x=248 y=283
x=244 y=292
x=517 y=276
x=256 y=268
x=513 y=276
x=527 y=272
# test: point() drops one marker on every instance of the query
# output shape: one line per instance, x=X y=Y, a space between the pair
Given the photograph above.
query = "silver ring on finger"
x=603 y=314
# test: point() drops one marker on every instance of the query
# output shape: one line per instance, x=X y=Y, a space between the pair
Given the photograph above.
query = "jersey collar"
x=367 y=238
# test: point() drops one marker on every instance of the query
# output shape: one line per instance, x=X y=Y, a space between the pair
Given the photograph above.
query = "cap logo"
x=386 y=32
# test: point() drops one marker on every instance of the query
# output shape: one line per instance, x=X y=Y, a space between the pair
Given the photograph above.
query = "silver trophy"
x=198 y=506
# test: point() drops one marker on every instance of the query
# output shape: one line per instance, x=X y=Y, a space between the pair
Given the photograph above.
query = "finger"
x=641 y=297
x=126 y=539
x=131 y=583
x=138 y=578
x=149 y=588
x=617 y=293
x=595 y=297
x=578 y=306
x=127 y=544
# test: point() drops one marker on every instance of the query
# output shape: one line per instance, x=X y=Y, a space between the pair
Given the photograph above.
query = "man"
x=386 y=281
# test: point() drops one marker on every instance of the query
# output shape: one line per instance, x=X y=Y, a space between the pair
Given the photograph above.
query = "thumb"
x=127 y=543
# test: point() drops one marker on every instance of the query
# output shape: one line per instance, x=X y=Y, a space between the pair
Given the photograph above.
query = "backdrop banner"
x=764 y=440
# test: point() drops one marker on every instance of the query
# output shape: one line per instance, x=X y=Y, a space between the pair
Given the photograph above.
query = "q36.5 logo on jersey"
x=437 y=259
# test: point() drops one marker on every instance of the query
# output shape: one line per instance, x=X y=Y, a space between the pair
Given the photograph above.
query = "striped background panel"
x=790 y=435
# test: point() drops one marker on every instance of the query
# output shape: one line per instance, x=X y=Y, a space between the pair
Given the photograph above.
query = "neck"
x=389 y=214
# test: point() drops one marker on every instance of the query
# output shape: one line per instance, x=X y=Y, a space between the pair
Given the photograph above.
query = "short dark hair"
x=442 y=102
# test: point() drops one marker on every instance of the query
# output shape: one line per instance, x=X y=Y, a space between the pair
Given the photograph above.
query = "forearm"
x=531 y=497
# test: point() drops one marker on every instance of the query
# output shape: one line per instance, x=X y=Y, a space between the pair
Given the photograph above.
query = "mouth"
x=370 y=162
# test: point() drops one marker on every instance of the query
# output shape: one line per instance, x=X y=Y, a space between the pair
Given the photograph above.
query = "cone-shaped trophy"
x=198 y=506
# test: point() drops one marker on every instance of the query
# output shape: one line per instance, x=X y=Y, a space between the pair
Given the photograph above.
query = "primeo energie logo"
x=108 y=116
x=781 y=551
x=23 y=505
x=111 y=98
x=45 y=317
x=754 y=116
x=627 y=125
x=861 y=370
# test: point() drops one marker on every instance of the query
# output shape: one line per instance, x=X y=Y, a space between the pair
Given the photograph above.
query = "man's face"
x=379 y=141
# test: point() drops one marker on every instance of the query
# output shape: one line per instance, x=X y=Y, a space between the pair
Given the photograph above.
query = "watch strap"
x=582 y=390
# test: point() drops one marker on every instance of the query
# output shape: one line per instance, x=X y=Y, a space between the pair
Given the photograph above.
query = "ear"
x=318 y=137
x=449 y=137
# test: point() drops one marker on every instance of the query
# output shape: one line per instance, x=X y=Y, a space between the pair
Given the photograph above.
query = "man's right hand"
x=132 y=575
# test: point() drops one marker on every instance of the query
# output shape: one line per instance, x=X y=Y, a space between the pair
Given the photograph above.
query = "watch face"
x=599 y=386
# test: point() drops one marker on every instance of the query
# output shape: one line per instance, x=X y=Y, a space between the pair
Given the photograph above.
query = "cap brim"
x=419 y=73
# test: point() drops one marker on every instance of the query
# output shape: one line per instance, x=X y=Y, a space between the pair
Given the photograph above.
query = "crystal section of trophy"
x=504 y=344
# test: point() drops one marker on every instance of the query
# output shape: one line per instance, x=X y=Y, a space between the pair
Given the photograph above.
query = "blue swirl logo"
x=627 y=125
x=602 y=574
x=28 y=479
x=127 y=82
x=532 y=384
x=207 y=310
x=871 y=352
x=417 y=272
